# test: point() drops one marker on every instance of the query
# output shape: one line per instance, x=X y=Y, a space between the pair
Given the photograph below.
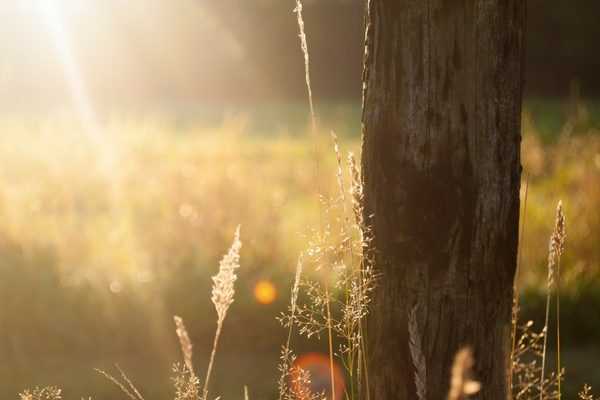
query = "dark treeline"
x=562 y=45
x=159 y=52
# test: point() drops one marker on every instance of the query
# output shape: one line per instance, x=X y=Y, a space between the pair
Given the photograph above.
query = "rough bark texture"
x=441 y=169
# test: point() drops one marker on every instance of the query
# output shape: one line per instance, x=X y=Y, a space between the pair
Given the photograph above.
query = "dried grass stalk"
x=586 y=393
x=304 y=47
x=556 y=245
x=461 y=383
x=46 y=393
x=223 y=295
x=223 y=291
x=555 y=250
x=287 y=357
x=126 y=386
x=186 y=383
x=184 y=342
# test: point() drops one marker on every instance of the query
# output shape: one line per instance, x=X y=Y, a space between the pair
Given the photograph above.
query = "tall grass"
x=334 y=278
x=556 y=247
x=186 y=382
x=333 y=258
x=528 y=379
x=222 y=297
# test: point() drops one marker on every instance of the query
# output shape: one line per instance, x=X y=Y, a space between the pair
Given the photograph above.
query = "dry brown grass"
x=462 y=384
x=222 y=297
x=334 y=259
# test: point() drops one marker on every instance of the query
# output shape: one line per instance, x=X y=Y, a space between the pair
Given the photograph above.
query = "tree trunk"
x=442 y=91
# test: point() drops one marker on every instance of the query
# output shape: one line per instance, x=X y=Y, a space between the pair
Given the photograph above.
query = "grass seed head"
x=557 y=244
x=223 y=290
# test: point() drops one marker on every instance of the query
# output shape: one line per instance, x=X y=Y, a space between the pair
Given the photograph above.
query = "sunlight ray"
x=55 y=24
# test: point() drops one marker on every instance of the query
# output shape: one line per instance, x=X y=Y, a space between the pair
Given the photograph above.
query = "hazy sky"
x=121 y=53
x=120 y=49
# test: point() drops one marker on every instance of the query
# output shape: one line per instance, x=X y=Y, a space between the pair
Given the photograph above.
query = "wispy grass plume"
x=337 y=292
x=462 y=383
x=526 y=367
x=186 y=383
x=184 y=342
x=304 y=47
x=287 y=357
x=126 y=386
x=555 y=250
x=223 y=295
x=46 y=393
x=586 y=393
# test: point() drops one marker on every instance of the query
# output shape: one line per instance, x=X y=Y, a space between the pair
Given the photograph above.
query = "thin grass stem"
x=212 y=360
x=330 y=340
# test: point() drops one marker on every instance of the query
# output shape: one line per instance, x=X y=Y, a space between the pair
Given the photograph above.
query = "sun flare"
x=51 y=13
x=265 y=292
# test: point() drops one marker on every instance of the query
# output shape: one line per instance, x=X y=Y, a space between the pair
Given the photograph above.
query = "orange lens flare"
x=265 y=292
x=317 y=365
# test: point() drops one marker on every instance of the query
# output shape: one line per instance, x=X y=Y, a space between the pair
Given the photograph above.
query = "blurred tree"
x=441 y=115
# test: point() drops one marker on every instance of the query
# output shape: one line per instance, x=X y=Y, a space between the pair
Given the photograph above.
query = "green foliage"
x=96 y=259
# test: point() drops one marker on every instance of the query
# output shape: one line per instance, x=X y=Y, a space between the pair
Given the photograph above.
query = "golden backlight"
x=125 y=53
x=265 y=292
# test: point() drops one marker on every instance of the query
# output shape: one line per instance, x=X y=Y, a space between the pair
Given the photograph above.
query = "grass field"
x=103 y=239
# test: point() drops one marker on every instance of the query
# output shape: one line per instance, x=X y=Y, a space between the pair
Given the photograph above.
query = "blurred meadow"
x=121 y=185
x=102 y=245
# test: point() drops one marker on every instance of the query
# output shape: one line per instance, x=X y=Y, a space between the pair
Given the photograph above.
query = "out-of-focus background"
x=135 y=136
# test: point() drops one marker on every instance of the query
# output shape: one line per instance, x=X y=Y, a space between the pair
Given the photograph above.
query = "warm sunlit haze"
x=136 y=136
